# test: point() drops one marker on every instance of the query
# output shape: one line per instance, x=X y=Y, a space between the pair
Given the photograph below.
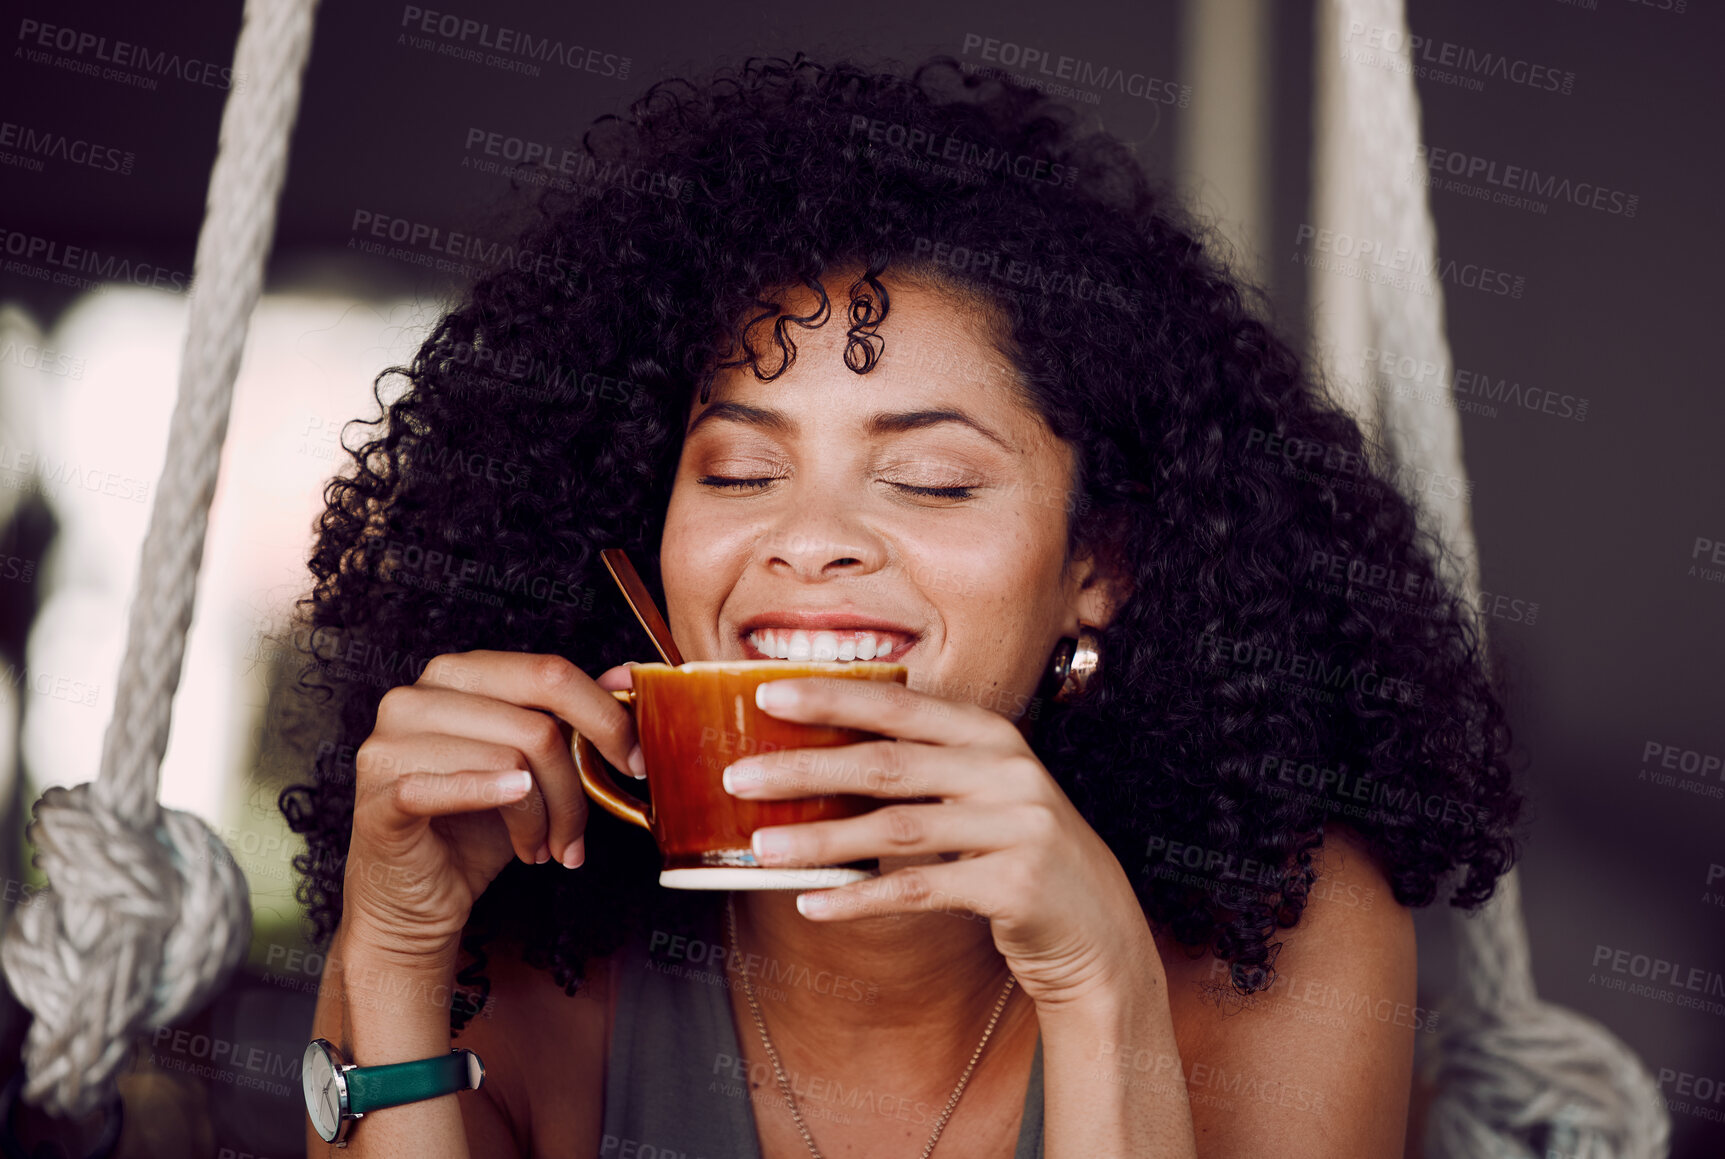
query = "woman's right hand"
x=468 y=766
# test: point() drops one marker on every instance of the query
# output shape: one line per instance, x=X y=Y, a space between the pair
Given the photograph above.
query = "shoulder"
x=544 y=1052
x=1352 y=911
x=1326 y=1052
x=1352 y=924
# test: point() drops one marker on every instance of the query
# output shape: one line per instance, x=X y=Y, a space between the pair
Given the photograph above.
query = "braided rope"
x=148 y=913
x=1515 y=1077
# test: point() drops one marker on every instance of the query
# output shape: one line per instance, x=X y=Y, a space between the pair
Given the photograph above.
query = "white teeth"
x=797 y=644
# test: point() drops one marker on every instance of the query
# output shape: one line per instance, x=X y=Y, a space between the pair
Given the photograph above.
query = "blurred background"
x=1592 y=413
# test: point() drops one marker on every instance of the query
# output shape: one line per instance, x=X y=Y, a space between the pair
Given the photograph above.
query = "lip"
x=829 y=621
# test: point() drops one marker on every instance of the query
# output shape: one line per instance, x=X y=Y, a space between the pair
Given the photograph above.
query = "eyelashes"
x=938 y=492
x=724 y=483
x=727 y=483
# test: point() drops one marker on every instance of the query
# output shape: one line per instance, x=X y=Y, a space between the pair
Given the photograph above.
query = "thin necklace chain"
x=779 y=1069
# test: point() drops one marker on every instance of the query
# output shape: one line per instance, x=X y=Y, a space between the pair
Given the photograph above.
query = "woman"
x=915 y=363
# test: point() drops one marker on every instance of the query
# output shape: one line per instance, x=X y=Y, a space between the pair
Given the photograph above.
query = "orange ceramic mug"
x=693 y=720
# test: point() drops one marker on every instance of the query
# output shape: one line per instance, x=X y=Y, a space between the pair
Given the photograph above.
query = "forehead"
x=936 y=348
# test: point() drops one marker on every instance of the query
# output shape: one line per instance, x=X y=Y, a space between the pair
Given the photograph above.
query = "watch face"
x=322 y=1098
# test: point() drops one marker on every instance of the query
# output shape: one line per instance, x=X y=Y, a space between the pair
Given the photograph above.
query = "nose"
x=818 y=539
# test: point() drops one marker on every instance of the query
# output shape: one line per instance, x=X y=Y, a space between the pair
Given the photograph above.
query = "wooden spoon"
x=640 y=602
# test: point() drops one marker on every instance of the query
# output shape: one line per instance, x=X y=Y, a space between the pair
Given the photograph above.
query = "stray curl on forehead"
x=867 y=306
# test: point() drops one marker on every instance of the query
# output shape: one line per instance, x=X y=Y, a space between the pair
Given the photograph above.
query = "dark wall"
x=1600 y=521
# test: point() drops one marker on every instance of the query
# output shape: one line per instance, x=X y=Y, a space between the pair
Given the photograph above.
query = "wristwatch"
x=337 y=1093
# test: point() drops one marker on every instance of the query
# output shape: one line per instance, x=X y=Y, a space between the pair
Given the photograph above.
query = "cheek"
x=999 y=594
x=1002 y=569
x=681 y=554
x=701 y=547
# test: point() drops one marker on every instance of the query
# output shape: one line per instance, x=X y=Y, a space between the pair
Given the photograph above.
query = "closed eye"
x=732 y=484
x=722 y=481
x=937 y=492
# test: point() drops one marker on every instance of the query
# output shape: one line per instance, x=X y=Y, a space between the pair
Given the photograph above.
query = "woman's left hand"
x=1062 y=911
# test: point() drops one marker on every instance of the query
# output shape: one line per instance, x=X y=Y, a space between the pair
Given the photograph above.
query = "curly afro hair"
x=1289 y=656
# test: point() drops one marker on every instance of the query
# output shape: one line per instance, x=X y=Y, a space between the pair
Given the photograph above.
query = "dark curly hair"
x=1289 y=654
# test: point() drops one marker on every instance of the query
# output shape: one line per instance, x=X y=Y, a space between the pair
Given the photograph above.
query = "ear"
x=1098 y=586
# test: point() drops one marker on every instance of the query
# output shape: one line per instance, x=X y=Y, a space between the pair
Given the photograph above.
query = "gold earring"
x=1075 y=663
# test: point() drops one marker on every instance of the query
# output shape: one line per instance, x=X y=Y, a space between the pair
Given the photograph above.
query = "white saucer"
x=742 y=877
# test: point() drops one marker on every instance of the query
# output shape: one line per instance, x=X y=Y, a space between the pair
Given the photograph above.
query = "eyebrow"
x=884 y=423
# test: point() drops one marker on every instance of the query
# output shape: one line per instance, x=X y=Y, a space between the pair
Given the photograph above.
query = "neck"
x=924 y=983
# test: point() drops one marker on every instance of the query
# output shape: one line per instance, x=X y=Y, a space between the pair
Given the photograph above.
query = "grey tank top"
x=676 y=1084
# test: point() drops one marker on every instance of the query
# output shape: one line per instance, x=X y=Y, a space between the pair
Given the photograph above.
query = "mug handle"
x=598 y=780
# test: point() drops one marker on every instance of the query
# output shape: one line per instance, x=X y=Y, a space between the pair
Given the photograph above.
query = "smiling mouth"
x=827 y=644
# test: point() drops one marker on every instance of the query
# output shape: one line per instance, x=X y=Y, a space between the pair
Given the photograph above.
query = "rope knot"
x=139 y=926
x=1538 y=1078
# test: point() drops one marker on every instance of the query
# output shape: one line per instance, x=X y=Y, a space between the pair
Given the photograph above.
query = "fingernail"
x=810 y=904
x=742 y=776
x=543 y=855
x=768 y=843
x=576 y=853
x=775 y=694
x=637 y=762
x=518 y=781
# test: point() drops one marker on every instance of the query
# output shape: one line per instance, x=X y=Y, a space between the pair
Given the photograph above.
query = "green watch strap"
x=370 y=1088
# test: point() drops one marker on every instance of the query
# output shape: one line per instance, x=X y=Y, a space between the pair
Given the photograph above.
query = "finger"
x=540 y=680
x=445 y=756
x=419 y=796
x=883 y=768
x=904 y=831
x=969 y=888
x=618 y=678
x=884 y=707
x=538 y=736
